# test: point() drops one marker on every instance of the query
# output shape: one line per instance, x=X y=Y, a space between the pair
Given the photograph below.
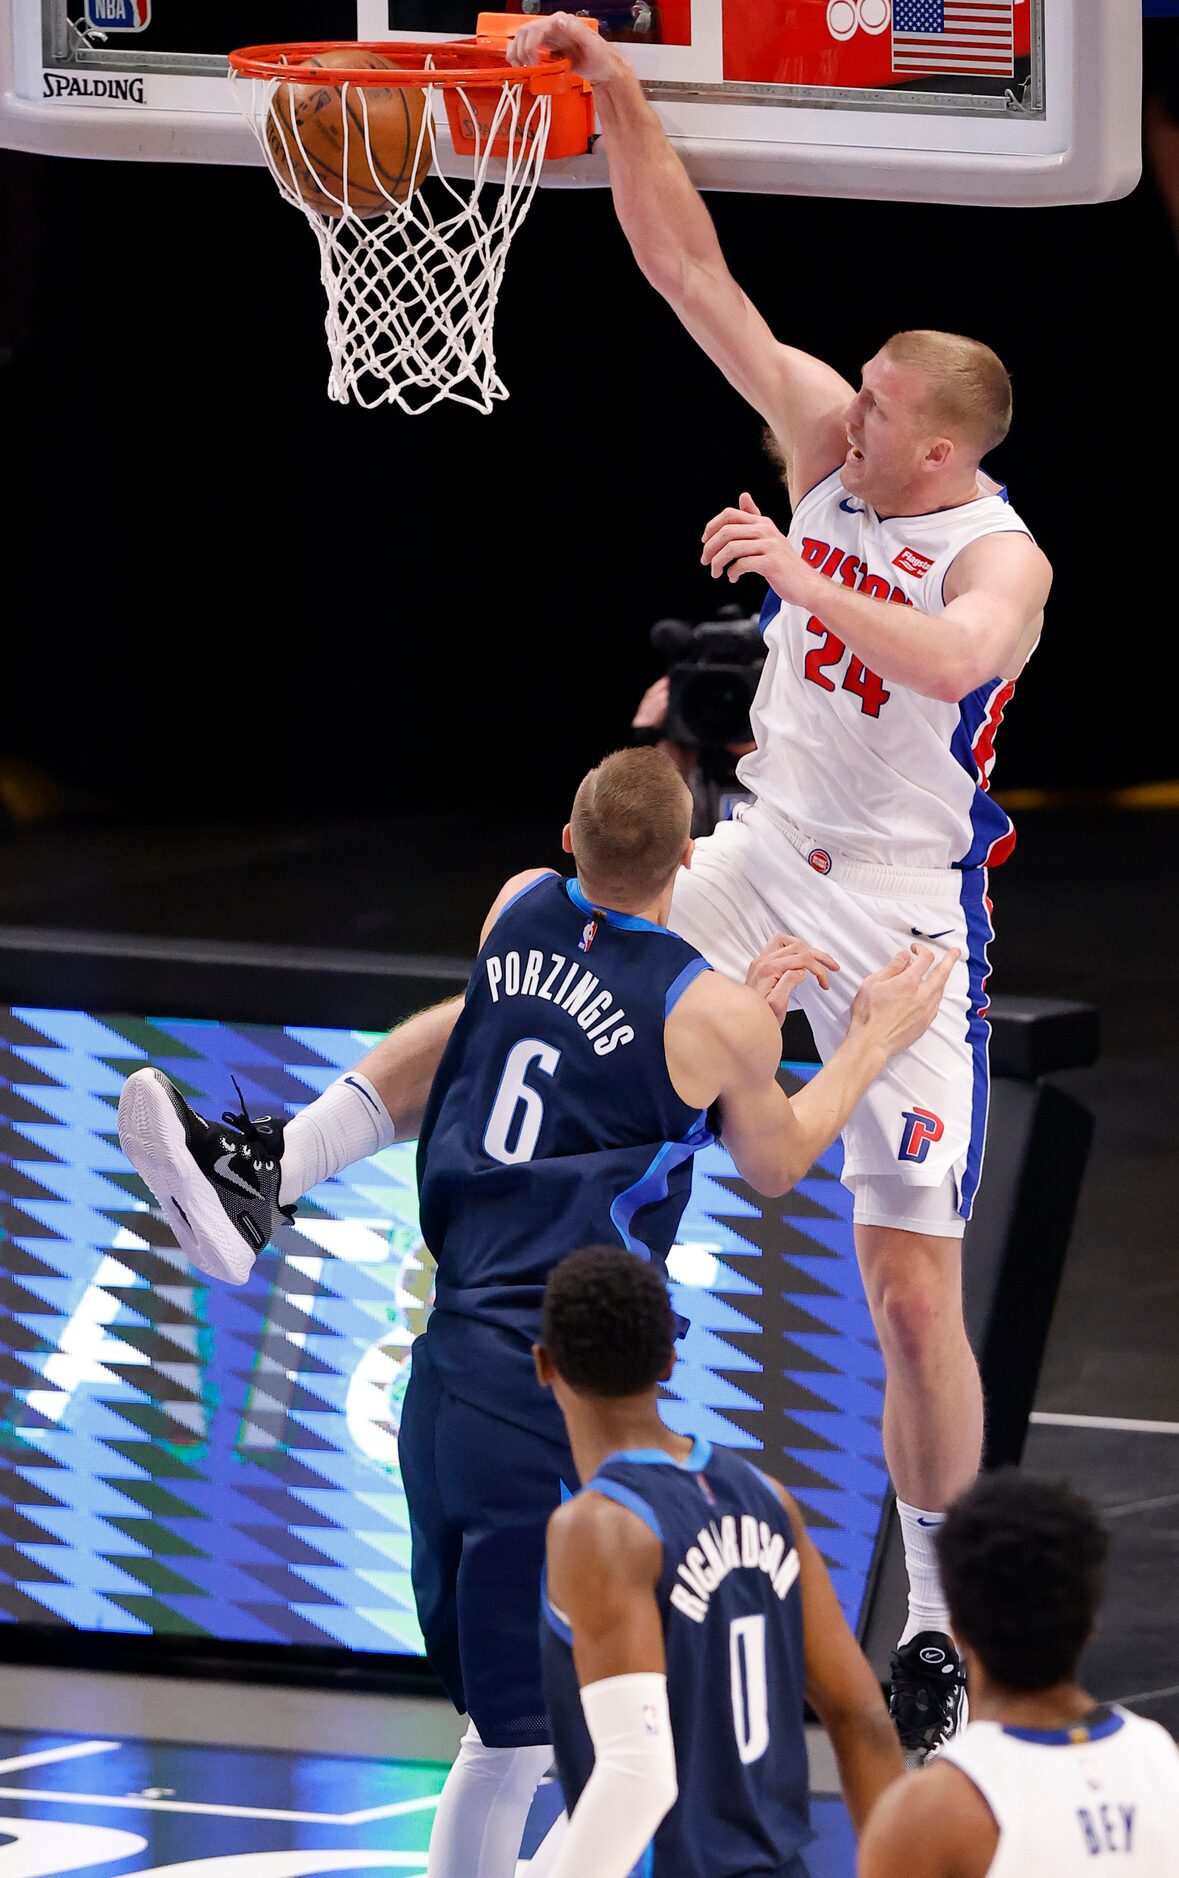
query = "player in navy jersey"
x=575 y=1085
x=686 y=1616
x=573 y=1092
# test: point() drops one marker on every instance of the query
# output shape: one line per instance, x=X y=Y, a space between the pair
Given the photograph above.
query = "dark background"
x=341 y=611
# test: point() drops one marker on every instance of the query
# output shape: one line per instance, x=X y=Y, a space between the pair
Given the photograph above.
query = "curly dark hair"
x=1021 y=1565
x=607 y=1321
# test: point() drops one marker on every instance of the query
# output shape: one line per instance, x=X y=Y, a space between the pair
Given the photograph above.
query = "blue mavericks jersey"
x=732 y=1627
x=552 y=1124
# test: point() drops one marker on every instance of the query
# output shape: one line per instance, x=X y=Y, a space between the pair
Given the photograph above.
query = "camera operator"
x=698 y=712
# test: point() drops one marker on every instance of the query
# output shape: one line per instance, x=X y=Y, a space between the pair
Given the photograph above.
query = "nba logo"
x=921 y=1127
x=589 y=933
x=118 y=16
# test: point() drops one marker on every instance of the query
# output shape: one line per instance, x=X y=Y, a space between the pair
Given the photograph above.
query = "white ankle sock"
x=927 y=1606
x=484 y=1809
x=347 y=1123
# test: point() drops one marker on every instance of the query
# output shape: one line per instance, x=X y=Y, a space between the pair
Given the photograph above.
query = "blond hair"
x=969 y=387
x=631 y=821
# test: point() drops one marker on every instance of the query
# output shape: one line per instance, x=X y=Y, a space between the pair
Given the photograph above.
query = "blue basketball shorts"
x=480 y=1491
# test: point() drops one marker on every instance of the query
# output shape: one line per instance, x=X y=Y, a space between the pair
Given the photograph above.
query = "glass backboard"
x=990 y=101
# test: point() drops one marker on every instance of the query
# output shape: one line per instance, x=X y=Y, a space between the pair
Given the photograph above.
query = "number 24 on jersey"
x=857 y=678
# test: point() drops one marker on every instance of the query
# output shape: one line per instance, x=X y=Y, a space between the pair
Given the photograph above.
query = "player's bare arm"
x=674 y=242
x=840 y=1686
x=603 y=1566
x=403 y=1065
x=932 y=1824
x=603 y=1569
x=996 y=590
x=723 y=1045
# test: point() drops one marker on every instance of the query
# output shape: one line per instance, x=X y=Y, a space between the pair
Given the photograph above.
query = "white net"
x=412 y=274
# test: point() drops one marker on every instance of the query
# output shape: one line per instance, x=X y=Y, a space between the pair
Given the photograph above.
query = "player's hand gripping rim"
x=781 y=966
x=565 y=38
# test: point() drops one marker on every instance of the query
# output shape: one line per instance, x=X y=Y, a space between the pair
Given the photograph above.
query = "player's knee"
x=501 y=1767
x=912 y=1287
x=909 y=1318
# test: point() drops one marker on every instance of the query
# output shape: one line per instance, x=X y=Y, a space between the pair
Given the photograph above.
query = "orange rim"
x=451 y=63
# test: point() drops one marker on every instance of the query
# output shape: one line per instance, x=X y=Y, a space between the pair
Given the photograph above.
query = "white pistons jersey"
x=869 y=768
x=1100 y=1796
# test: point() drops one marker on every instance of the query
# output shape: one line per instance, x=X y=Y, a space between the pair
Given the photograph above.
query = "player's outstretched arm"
x=603 y=1568
x=674 y=242
x=840 y=1686
x=729 y=1034
x=932 y=1824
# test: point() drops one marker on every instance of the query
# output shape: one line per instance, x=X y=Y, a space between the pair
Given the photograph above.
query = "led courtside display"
x=183 y=1458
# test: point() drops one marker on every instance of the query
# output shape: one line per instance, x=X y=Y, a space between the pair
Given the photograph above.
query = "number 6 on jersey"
x=513 y=1127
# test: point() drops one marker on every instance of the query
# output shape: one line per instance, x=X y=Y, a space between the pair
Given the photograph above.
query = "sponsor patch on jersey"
x=820 y=860
x=910 y=562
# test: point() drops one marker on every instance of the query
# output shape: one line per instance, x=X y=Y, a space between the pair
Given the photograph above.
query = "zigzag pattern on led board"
x=181 y=1458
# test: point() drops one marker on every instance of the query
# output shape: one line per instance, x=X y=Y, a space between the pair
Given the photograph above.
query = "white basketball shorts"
x=923 y=1121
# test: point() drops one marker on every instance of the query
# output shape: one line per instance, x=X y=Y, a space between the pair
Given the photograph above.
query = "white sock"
x=484 y=1809
x=347 y=1123
x=927 y=1606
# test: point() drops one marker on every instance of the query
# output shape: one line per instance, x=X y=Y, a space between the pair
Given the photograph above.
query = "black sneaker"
x=217 y=1186
x=928 y=1699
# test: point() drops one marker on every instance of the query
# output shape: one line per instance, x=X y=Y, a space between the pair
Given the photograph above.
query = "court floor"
x=126 y=1808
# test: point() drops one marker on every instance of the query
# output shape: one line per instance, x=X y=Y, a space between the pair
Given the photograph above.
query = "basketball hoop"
x=411 y=259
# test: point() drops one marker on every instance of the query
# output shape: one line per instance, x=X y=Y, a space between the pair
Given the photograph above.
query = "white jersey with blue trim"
x=1067 y=1801
x=868 y=767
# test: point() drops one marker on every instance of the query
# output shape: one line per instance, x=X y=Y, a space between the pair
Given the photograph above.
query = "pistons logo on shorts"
x=820 y=860
x=921 y=1127
x=118 y=16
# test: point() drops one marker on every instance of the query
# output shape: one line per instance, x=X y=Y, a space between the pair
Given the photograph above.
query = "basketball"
x=358 y=148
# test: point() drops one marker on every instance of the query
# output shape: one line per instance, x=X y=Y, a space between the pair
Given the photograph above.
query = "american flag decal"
x=950 y=36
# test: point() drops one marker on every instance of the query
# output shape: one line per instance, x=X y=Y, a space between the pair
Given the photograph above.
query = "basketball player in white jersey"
x=1044 y=1781
x=903 y=605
